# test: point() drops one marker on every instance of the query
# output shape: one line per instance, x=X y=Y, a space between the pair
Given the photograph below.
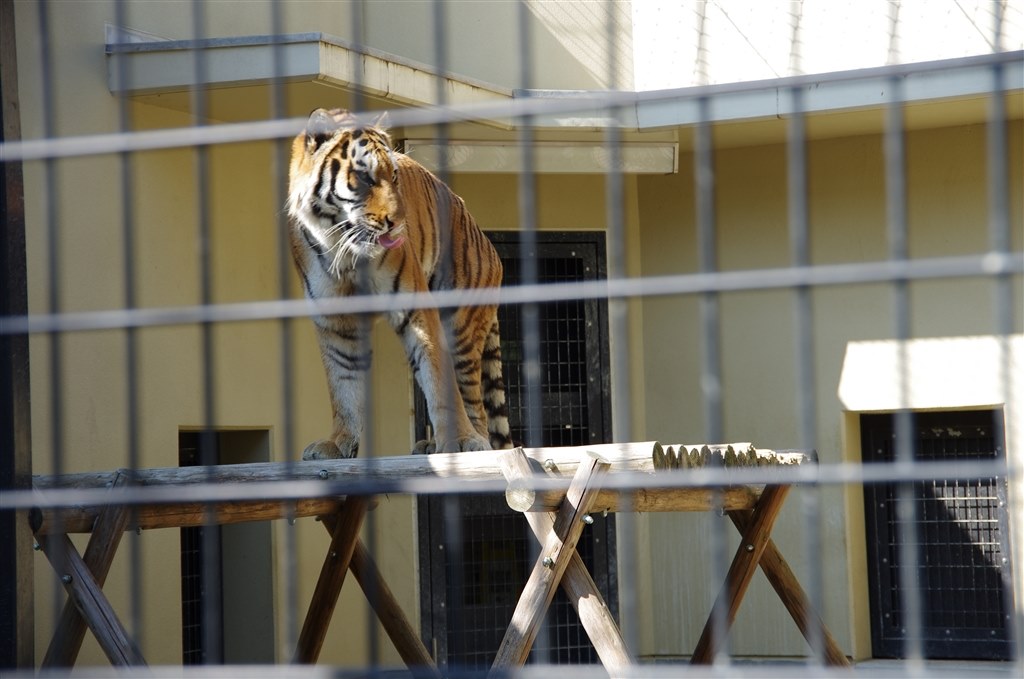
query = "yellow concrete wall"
x=947 y=208
x=947 y=191
x=244 y=196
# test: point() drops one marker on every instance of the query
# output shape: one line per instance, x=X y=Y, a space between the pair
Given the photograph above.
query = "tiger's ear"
x=320 y=127
x=382 y=122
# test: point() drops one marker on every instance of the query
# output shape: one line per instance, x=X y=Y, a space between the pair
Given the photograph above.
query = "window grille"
x=963 y=563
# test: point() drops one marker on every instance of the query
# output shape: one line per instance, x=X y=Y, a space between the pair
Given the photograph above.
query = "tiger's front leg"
x=426 y=347
x=345 y=350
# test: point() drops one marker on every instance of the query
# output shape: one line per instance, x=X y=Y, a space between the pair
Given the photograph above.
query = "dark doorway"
x=476 y=553
x=963 y=565
x=227 y=604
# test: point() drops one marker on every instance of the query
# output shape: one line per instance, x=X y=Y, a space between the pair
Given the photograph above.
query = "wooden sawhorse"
x=559 y=564
x=556 y=515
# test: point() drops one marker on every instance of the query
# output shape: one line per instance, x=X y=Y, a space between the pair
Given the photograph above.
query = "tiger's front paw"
x=425 y=447
x=329 y=450
x=463 y=444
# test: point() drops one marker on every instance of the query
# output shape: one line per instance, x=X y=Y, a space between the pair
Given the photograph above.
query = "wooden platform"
x=555 y=488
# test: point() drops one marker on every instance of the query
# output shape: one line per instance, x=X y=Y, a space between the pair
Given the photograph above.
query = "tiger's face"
x=343 y=188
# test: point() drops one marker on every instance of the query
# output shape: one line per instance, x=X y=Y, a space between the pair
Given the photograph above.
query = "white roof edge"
x=837 y=91
x=138 y=68
x=170 y=65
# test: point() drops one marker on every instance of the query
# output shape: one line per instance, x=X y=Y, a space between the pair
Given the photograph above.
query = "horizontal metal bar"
x=378 y=484
x=992 y=264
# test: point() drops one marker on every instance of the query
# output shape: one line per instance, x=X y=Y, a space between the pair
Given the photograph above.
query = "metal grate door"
x=961 y=529
x=476 y=553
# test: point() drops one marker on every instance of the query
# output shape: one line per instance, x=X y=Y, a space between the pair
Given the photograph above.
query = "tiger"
x=366 y=219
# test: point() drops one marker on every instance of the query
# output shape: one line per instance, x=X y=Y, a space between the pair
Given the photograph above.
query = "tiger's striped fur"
x=367 y=219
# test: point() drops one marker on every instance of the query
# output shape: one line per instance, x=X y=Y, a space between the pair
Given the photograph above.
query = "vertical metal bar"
x=619 y=329
x=804 y=356
x=368 y=445
x=213 y=614
x=710 y=329
x=998 y=171
x=906 y=510
x=529 y=275
x=528 y=254
x=128 y=254
x=17 y=612
x=289 y=559
x=53 y=263
x=451 y=506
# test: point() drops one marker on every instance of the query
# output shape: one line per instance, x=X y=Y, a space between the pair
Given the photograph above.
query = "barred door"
x=476 y=553
x=961 y=530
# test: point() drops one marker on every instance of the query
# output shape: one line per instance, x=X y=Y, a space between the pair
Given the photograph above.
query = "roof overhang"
x=240 y=76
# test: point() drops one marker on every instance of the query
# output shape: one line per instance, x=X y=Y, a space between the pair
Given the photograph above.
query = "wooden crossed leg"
x=559 y=563
x=83 y=580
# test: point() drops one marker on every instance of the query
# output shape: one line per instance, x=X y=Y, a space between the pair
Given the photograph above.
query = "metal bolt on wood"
x=549 y=562
x=322 y=474
x=588 y=519
x=66 y=579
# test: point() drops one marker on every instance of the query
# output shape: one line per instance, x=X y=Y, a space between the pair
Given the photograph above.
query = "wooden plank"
x=393 y=471
x=579 y=586
x=188 y=514
x=554 y=558
x=469 y=466
x=332 y=576
x=741 y=571
x=88 y=597
x=185 y=514
x=792 y=594
x=407 y=642
x=99 y=555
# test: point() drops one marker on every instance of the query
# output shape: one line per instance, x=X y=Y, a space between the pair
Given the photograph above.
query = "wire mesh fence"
x=827 y=264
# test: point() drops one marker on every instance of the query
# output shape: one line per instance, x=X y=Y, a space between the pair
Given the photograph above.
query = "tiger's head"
x=343 y=187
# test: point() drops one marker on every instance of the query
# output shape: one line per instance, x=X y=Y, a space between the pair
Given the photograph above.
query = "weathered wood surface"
x=469 y=466
x=741 y=571
x=392 y=618
x=88 y=597
x=344 y=538
x=99 y=555
x=579 y=586
x=554 y=558
x=728 y=455
x=554 y=466
x=792 y=595
x=184 y=514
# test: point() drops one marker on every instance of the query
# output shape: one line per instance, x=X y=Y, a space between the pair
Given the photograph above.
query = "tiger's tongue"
x=387 y=241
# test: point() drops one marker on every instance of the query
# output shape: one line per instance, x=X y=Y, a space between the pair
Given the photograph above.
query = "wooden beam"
x=782 y=579
x=332 y=576
x=469 y=467
x=185 y=514
x=579 y=586
x=559 y=464
x=408 y=644
x=88 y=597
x=99 y=555
x=741 y=571
x=554 y=558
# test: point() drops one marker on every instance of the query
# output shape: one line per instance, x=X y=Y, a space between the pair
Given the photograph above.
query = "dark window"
x=476 y=553
x=962 y=568
x=227 y=612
